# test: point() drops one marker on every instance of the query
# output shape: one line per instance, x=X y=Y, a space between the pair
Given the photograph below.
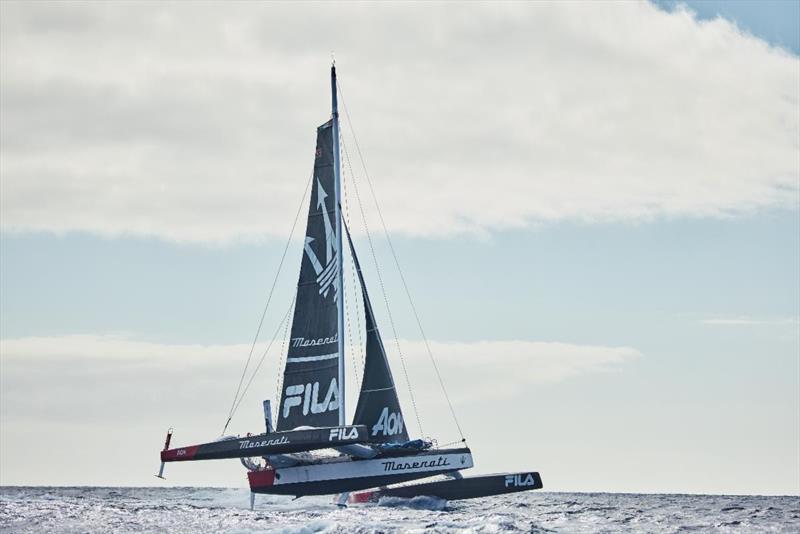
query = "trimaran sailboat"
x=375 y=450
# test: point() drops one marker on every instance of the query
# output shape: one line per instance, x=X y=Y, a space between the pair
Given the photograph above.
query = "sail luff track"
x=337 y=180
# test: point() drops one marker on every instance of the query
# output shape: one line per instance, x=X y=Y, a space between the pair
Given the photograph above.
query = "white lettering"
x=292 y=398
x=518 y=481
x=307 y=401
x=307 y=395
x=333 y=391
x=343 y=433
x=247 y=444
x=390 y=424
x=303 y=342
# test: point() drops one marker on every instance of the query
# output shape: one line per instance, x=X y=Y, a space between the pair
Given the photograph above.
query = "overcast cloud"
x=73 y=371
x=104 y=396
x=196 y=122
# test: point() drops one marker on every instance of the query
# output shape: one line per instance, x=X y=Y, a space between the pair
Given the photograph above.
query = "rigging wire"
x=349 y=323
x=266 y=351
x=284 y=353
x=266 y=307
x=380 y=280
x=347 y=289
x=354 y=284
x=350 y=292
x=397 y=264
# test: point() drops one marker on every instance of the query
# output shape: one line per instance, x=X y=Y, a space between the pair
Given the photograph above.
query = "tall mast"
x=337 y=176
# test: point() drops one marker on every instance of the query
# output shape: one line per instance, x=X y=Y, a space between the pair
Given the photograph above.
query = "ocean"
x=73 y=510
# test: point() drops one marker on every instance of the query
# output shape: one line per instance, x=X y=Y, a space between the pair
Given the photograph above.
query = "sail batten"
x=313 y=358
x=377 y=389
x=337 y=182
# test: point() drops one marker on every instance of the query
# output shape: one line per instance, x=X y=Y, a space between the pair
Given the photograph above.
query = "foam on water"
x=227 y=510
x=418 y=503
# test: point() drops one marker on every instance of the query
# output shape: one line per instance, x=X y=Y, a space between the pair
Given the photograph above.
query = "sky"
x=596 y=207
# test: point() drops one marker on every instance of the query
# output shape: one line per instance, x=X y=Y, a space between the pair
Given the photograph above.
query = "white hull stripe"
x=434 y=463
x=312 y=358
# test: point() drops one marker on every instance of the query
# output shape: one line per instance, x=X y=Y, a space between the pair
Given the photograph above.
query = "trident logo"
x=325 y=275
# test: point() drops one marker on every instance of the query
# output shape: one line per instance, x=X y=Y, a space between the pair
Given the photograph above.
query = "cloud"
x=752 y=321
x=66 y=375
x=93 y=409
x=196 y=122
x=498 y=369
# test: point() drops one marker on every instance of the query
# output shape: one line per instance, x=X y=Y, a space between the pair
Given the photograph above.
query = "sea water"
x=43 y=509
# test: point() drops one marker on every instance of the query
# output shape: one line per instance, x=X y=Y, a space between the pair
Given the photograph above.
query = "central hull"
x=340 y=476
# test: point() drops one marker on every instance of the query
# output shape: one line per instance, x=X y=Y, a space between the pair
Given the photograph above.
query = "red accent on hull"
x=363 y=497
x=177 y=455
x=260 y=479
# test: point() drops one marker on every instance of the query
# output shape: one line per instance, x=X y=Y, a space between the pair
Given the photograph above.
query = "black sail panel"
x=310 y=395
x=378 y=407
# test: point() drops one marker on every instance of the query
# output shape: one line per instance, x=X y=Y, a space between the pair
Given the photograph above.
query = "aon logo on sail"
x=388 y=424
x=307 y=396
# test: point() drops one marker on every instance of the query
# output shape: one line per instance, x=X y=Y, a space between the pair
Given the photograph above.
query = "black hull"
x=457 y=489
x=330 y=487
x=273 y=443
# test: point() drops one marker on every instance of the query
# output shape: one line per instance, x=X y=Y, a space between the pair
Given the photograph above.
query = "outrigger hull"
x=273 y=443
x=456 y=489
x=353 y=474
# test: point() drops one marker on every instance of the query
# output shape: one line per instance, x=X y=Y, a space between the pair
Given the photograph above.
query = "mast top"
x=334 y=103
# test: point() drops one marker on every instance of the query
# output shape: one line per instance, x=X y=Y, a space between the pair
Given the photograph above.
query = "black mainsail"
x=378 y=407
x=311 y=381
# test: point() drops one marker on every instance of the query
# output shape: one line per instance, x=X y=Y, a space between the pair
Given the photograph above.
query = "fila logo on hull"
x=520 y=480
x=388 y=424
x=343 y=433
x=307 y=396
